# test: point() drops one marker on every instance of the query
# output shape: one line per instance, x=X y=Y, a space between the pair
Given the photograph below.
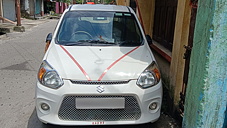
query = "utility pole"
x=18 y=12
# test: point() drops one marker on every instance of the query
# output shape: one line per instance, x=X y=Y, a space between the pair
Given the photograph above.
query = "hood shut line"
x=82 y=70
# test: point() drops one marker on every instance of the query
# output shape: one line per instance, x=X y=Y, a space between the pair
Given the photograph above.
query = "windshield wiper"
x=74 y=43
x=88 y=42
x=130 y=43
x=101 y=42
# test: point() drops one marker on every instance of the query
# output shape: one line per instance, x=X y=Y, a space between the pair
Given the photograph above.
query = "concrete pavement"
x=26 y=24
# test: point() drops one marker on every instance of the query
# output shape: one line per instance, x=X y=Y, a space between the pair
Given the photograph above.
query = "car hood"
x=95 y=63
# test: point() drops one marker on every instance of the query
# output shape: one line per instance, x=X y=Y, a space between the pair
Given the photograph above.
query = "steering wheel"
x=82 y=33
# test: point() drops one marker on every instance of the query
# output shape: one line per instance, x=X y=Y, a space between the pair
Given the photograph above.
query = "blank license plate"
x=100 y=103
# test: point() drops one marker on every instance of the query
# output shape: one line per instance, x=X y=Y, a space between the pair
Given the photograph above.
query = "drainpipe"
x=18 y=12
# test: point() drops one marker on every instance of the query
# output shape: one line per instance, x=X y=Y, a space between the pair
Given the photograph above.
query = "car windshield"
x=99 y=28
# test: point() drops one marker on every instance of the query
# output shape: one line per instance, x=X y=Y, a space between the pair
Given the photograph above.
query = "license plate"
x=100 y=103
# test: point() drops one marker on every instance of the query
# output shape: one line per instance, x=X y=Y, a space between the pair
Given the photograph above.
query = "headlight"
x=48 y=77
x=149 y=77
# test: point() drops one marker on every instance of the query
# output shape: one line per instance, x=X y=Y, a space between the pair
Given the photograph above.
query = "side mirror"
x=149 y=40
x=49 y=38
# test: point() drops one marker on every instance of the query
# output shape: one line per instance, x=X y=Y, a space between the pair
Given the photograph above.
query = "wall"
x=225 y=123
x=26 y=5
x=31 y=7
x=147 y=8
x=180 y=39
x=207 y=87
x=9 y=9
x=25 y=10
x=123 y=2
x=38 y=7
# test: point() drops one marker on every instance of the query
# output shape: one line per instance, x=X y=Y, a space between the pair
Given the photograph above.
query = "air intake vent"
x=99 y=82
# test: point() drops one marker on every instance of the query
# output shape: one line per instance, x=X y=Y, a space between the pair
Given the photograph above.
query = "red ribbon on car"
x=74 y=60
x=104 y=73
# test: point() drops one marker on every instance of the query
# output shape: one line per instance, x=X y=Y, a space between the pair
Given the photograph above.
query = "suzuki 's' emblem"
x=100 y=89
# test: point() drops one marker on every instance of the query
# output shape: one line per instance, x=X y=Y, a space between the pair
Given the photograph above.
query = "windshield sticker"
x=100 y=18
x=127 y=14
x=118 y=14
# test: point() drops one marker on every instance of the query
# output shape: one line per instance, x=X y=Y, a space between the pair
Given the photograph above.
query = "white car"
x=98 y=70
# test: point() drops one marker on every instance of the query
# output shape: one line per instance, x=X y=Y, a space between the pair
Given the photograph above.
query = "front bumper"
x=63 y=112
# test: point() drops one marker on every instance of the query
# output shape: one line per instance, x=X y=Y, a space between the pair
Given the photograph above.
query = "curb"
x=19 y=28
x=3 y=36
x=5 y=29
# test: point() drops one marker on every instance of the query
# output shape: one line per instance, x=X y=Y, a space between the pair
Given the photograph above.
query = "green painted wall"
x=38 y=7
x=206 y=97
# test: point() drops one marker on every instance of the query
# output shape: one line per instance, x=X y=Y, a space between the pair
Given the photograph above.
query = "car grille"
x=99 y=82
x=69 y=112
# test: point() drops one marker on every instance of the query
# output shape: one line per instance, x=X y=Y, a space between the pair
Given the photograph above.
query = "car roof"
x=99 y=7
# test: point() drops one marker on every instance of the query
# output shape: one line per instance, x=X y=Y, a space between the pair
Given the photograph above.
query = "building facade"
x=28 y=8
